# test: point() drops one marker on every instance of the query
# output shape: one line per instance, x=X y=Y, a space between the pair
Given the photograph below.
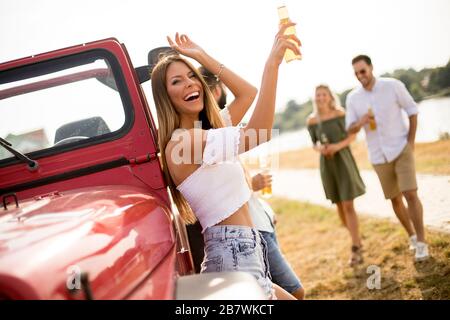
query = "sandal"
x=356 y=257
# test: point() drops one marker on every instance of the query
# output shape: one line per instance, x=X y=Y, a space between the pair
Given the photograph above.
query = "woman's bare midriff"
x=240 y=218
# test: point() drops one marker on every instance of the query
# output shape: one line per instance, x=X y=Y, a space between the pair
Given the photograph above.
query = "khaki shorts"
x=398 y=175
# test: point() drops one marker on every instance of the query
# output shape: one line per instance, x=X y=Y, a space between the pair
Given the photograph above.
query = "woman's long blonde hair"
x=169 y=121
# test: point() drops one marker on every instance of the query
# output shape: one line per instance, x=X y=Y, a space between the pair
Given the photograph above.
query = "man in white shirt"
x=382 y=106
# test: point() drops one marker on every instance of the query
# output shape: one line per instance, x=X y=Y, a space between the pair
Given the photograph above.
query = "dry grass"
x=318 y=248
x=433 y=157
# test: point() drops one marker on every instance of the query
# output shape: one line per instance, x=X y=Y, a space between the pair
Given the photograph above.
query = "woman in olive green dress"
x=340 y=175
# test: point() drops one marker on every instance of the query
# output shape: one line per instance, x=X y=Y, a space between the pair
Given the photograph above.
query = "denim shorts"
x=280 y=270
x=237 y=248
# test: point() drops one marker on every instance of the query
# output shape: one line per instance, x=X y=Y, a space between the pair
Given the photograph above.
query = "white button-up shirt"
x=261 y=213
x=391 y=104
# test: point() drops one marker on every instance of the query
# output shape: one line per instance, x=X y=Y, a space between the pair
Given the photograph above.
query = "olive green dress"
x=340 y=175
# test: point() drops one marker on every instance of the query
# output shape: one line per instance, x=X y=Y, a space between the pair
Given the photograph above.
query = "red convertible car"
x=85 y=212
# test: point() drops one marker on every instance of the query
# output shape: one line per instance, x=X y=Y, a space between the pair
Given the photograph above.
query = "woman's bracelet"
x=220 y=72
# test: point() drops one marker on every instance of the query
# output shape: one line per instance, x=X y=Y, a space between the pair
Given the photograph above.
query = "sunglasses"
x=361 y=72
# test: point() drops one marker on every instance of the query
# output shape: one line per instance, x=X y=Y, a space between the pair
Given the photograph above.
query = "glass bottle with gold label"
x=372 y=122
x=264 y=165
x=325 y=142
x=284 y=18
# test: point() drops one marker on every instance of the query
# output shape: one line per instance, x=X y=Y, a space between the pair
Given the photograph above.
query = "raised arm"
x=190 y=146
x=261 y=121
x=244 y=93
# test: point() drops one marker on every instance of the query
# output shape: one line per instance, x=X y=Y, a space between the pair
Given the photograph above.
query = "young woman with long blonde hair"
x=340 y=176
x=200 y=155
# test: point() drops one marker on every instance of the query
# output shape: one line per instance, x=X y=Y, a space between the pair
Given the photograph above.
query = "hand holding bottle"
x=265 y=162
x=372 y=122
x=325 y=151
x=330 y=150
x=261 y=180
x=284 y=42
x=284 y=19
x=364 y=120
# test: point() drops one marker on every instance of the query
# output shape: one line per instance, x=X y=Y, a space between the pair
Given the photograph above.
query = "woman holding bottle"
x=200 y=155
x=340 y=176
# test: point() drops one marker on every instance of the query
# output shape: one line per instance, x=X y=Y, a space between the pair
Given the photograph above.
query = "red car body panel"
x=114 y=224
x=121 y=227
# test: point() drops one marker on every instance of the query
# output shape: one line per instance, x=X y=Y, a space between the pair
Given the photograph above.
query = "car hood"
x=114 y=235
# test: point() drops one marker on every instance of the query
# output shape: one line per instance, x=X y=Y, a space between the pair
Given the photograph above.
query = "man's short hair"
x=210 y=78
x=362 y=57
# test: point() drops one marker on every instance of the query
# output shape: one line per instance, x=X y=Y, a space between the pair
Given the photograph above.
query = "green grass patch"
x=318 y=248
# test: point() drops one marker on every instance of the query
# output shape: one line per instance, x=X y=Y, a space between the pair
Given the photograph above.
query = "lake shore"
x=433 y=124
x=431 y=157
x=305 y=185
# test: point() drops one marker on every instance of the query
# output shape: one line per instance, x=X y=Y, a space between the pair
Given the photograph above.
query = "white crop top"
x=218 y=187
x=226 y=117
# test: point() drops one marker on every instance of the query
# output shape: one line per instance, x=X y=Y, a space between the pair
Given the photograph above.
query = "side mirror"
x=143 y=73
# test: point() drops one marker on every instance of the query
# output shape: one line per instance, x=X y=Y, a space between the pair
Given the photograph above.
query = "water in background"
x=434 y=119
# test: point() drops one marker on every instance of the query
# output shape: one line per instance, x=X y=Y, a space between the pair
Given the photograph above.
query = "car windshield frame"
x=66 y=62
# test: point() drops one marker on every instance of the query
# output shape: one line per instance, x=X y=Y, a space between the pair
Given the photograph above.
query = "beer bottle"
x=372 y=122
x=284 y=18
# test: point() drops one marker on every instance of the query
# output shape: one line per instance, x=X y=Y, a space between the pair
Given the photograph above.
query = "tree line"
x=424 y=84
